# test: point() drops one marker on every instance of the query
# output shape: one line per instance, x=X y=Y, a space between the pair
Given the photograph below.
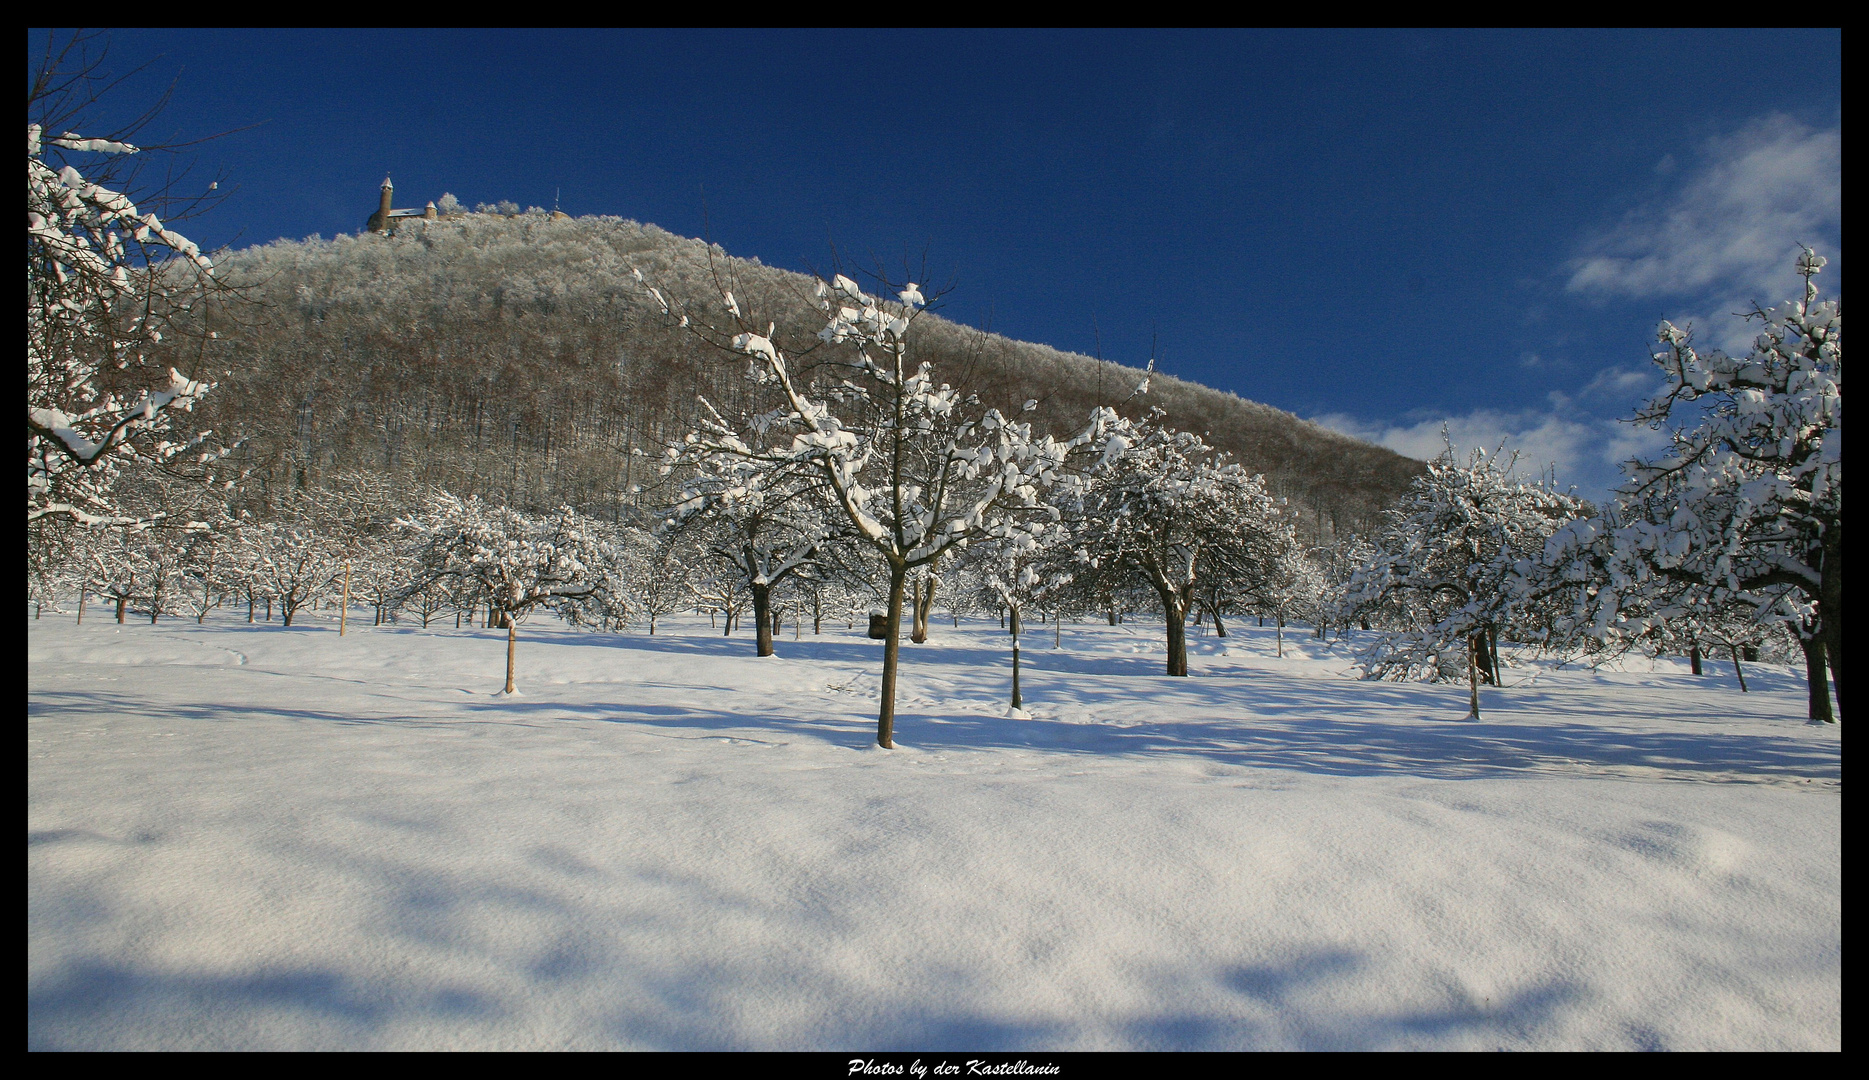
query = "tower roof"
x=387 y=185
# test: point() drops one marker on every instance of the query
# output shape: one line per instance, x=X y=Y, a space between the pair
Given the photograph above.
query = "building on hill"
x=386 y=219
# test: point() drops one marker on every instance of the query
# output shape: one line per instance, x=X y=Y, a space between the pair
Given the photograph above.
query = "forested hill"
x=518 y=357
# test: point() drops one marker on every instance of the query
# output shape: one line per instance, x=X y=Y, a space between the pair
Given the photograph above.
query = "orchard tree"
x=107 y=288
x=1746 y=506
x=913 y=467
x=293 y=561
x=659 y=569
x=1022 y=568
x=518 y=562
x=1164 y=506
x=766 y=523
x=1459 y=561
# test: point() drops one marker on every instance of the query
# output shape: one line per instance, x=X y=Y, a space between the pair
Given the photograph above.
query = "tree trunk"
x=1220 y=628
x=81 y=592
x=924 y=604
x=1830 y=604
x=1110 y=612
x=1175 y=613
x=1693 y=658
x=1018 y=702
x=1818 y=678
x=1737 y=670
x=892 y=649
x=121 y=602
x=1492 y=653
x=511 y=636
x=1483 y=657
x=1278 y=633
x=1473 y=675
x=762 y=620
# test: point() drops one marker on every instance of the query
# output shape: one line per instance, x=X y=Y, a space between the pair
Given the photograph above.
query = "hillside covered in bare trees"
x=517 y=357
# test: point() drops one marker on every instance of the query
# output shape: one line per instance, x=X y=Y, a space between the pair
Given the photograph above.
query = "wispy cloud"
x=1732 y=226
x=1568 y=436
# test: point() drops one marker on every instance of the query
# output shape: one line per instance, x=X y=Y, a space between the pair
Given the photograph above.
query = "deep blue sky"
x=1383 y=230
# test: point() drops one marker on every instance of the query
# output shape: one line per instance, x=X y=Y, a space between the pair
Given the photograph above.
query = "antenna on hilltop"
x=555 y=193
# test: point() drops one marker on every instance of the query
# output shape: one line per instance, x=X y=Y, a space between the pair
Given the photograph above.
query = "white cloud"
x=1584 y=450
x=1732 y=227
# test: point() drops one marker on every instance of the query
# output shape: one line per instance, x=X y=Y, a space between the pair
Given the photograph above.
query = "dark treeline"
x=517 y=358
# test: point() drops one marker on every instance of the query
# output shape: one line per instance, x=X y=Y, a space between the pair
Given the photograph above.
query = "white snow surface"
x=257 y=837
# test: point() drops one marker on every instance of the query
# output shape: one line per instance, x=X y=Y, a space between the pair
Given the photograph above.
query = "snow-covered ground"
x=255 y=837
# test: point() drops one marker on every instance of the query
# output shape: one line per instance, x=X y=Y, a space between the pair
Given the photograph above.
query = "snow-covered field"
x=257 y=837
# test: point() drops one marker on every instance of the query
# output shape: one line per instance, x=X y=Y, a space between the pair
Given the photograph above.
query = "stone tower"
x=379 y=222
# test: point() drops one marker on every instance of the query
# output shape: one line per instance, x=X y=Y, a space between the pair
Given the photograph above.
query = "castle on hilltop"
x=386 y=219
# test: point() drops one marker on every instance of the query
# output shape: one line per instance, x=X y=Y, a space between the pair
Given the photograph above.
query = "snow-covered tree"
x=765 y=523
x=1746 y=507
x=54 y=567
x=1023 y=569
x=1166 y=507
x=914 y=467
x=1290 y=586
x=517 y=562
x=205 y=560
x=105 y=281
x=660 y=572
x=116 y=566
x=293 y=560
x=1459 y=561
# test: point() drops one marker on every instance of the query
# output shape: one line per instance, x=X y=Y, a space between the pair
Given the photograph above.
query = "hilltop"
x=517 y=355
